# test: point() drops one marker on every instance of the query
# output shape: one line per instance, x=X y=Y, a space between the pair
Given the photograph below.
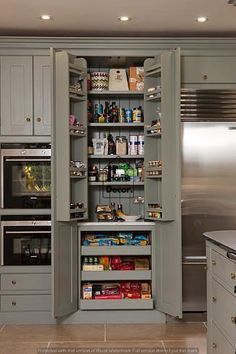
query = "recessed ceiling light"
x=46 y=17
x=124 y=18
x=202 y=19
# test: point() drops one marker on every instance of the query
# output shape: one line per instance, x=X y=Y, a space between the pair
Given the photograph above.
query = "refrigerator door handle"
x=231 y=256
x=194 y=260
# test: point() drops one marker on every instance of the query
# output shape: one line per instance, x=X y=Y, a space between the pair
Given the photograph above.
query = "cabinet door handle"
x=214 y=345
x=213 y=262
x=231 y=256
x=233 y=276
x=205 y=77
x=233 y=319
x=13 y=282
x=28 y=119
x=213 y=299
x=13 y=303
x=38 y=119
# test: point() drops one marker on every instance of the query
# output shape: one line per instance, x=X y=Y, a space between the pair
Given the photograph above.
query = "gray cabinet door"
x=42 y=96
x=168 y=244
x=16 y=95
x=64 y=233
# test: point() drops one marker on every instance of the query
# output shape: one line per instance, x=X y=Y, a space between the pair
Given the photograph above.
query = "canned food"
x=129 y=115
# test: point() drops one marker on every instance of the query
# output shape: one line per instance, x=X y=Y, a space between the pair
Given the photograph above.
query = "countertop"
x=224 y=238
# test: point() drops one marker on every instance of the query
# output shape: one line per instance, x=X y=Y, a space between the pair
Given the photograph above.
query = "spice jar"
x=103 y=175
x=93 y=173
x=121 y=145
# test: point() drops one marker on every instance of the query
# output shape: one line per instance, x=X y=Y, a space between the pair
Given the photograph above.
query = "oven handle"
x=27 y=160
x=27 y=232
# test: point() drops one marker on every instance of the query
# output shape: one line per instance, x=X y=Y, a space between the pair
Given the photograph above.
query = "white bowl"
x=131 y=217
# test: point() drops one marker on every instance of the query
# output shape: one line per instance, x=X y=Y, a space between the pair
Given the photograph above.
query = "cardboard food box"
x=118 y=80
x=136 y=78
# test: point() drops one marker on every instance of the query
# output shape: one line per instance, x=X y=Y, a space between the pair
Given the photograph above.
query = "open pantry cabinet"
x=154 y=194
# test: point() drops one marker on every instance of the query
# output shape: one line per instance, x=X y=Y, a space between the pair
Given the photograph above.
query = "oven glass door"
x=26 y=246
x=27 y=183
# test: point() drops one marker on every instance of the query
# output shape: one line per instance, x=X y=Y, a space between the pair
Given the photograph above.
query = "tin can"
x=129 y=115
x=122 y=115
x=133 y=145
x=138 y=116
x=141 y=145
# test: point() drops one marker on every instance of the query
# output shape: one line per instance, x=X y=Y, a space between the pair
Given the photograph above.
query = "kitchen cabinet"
x=221 y=291
x=208 y=69
x=25 y=95
x=74 y=199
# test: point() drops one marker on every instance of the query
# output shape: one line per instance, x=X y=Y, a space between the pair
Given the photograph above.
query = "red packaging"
x=108 y=297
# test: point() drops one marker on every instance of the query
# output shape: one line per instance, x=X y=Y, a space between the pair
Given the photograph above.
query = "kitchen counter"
x=224 y=238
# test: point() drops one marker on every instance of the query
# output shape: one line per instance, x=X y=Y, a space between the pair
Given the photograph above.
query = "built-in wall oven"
x=26 y=178
x=26 y=242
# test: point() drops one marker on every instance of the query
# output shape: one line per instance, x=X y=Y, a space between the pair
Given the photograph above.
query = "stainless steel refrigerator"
x=208 y=181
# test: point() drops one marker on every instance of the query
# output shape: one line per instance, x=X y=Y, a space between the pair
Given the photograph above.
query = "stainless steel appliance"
x=26 y=242
x=208 y=181
x=26 y=178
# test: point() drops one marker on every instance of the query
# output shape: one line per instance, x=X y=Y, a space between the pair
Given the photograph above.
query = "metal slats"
x=208 y=105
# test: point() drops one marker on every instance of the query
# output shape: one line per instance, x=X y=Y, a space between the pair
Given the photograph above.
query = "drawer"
x=25 y=303
x=208 y=69
x=219 y=343
x=224 y=269
x=224 y=309
x=25 y=281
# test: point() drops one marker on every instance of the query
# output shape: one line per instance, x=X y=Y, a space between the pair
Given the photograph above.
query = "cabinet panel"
x=42 y=96
x=25 y=282
x=14 y=303
x=223 y=309
x=208 y=69
x=16 y=95
x=219 y=344
x=224 y=269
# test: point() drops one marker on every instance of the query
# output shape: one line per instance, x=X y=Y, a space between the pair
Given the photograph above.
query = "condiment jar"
x=103 y=175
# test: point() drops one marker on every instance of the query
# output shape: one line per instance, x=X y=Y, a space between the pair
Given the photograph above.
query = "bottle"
x=111 y=145
x=105 y=143
x=113 y=208
x=107 y=112
x=119 y=212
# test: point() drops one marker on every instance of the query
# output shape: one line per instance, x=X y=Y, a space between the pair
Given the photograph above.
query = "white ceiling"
x=99 y=18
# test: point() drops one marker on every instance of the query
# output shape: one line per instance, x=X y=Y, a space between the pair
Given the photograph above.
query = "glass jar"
x=103 y=175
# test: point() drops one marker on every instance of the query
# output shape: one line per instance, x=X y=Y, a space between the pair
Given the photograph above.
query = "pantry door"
x=64 y=222
x=162 y=183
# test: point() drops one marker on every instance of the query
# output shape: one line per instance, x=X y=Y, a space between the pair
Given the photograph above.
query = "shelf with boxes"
x=116 y=266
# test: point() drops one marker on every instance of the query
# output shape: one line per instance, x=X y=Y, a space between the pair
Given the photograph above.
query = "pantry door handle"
x=13 y=282
x=233 y=319
x=231 y=256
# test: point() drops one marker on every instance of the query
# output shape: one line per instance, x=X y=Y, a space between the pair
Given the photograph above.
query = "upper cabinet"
x=208 y=69
x=25 y=95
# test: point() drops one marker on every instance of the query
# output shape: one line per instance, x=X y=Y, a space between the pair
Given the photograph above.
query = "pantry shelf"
x=116 y=125
x=76 y=97
x=154 y=177
x=115 y=275
x=116 y=183
x=116 y=93
x=153 y=71
x=116 y=156
x=112 y=251
x=124 y=304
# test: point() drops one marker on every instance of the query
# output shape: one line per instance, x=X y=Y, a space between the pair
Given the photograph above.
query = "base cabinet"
x=221 y=301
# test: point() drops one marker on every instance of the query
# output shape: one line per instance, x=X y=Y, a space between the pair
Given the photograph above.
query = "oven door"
x=26 y=182
x=25 y=245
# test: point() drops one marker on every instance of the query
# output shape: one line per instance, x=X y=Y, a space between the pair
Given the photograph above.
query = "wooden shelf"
x=123 y=304
x=128 y=183
x=77 y=98
x=117 y=250
x=116 y=275
x=116 y=93
x=116 y=157
x=154 y=177
x=116 y=125
x=153 y=71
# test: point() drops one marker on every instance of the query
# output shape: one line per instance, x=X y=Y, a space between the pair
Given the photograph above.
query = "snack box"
x=136 y=78
x=93 y=267
x=87 y=291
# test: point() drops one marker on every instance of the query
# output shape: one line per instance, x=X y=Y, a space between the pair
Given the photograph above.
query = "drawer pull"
x=28 y=119
x=213 y=299
x=205 y=77
x=13 y=282
x=214 y=345
x=233 y=319
x=213 y=262
x=231 y=256
x=38 y=119
x=233 y=275
x=13 y=303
